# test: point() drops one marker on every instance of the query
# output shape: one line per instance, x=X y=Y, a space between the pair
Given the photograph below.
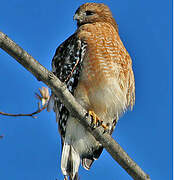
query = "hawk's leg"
x=96 y=122
x=95 y=119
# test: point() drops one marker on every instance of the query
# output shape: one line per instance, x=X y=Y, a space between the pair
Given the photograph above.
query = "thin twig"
x=20 y=114
x=43 y=98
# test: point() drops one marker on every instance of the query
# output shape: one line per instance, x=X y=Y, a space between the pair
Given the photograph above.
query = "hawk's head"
x=94 y=12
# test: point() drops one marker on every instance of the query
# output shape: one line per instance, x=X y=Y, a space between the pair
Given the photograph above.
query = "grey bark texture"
x=59 y=88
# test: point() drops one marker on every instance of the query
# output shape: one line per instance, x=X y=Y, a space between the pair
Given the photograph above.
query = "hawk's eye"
x=89 y=13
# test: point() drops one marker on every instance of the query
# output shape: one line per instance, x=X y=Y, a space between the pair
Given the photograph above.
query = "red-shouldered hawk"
x=97 y=70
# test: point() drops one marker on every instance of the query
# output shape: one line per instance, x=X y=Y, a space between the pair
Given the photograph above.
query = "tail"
x=70 y=162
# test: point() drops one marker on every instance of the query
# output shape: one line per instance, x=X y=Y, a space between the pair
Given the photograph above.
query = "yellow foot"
x=97 y=122
x=95 y=118
x=105 y=127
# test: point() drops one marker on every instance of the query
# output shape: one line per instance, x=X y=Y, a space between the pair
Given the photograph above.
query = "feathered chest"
x=105 y=53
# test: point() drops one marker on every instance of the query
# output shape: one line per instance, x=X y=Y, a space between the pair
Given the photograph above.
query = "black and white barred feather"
x=67 y=65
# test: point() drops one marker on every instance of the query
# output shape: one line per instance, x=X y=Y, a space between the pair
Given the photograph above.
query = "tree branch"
x=27 y=114
x=59 y=88
x=43 y=98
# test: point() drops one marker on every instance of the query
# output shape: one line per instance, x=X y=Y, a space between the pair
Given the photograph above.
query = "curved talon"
x=95 y=119
x=97 y=122
x=106 y=128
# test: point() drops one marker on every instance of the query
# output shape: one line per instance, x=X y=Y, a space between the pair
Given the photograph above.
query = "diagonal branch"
x=59 y=88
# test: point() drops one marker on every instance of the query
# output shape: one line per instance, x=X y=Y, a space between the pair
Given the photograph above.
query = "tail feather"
x=64 y=159
x=70 y=161
x=86 y=163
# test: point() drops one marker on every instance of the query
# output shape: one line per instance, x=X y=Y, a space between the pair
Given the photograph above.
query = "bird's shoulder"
x=69 y=54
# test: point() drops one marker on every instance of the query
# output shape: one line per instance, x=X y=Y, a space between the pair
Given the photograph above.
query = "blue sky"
x=31 y=148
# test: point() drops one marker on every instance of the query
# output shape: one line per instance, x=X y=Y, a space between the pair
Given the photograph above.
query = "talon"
x=97 y=122
x=104 y=127
x=95 y=119
x=107 y=128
